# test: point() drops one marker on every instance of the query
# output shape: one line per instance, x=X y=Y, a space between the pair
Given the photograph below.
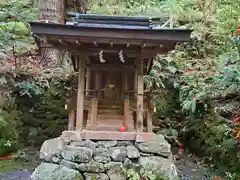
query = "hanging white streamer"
x=121 y=56
x=101 y=57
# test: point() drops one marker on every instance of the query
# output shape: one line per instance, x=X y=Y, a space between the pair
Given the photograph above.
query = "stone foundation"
x=102 y=160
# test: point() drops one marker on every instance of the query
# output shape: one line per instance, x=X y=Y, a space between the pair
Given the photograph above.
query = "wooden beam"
x=95 y=101
x=149 y=64
x=107 y=135
x=147 y=36
x=125 y=77
x=71 y=119
x=72 y=46
x=77 y=61
x=95 y=51
x=126 y=100
x=149 y=116
x=135 y=79
x=98 y=81
x=126 y=111
x=88 y=81
x=80 y=95
x=94 y=112
x=140 y=94
x=106 y=67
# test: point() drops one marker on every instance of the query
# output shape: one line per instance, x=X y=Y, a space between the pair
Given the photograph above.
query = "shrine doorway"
x=112 y=87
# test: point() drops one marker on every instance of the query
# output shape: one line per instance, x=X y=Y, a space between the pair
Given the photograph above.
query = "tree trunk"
x=51 y=11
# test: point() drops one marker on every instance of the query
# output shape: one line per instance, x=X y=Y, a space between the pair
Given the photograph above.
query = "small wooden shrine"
x=111 y=55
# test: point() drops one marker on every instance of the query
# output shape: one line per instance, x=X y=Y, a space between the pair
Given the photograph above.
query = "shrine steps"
x=110 y=118
x=111 y=122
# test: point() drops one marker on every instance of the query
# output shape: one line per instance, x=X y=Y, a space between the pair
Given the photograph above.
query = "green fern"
x=3 y=122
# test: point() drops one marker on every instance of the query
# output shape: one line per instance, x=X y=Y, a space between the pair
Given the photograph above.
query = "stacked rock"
x=102 y=160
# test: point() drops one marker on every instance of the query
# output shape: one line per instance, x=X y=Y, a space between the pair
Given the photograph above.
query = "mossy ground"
x=10 y=165
x=27 y=163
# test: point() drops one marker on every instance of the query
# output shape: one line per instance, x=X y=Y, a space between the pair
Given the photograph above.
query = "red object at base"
x=181 y=151
x=8 y=157
x=238 y=31
x=181 y=147
x=123 y=129
x=236 y=121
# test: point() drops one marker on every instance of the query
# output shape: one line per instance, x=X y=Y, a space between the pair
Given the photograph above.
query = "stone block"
x=132 y=152
x=159 y=146
x=107 y=144
x=113 y=166
x=92 y=166
x=77 y=154
x=102 y=155
x=125 y=143
x=51 y=148
x=118 y=154
x=159 y=166
x=69 y=164
x=47 y=171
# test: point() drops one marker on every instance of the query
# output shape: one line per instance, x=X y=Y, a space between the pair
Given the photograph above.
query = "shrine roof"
x=113 y=22
x=111 y=35
x=115 y=27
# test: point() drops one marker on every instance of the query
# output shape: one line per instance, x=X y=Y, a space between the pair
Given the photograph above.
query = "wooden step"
x=111 y=128
x=110 y=111
x=110 y=107
x=114 y=123
x=113 y=120
x=110 y=116
x=109 y=122
x=111 y=101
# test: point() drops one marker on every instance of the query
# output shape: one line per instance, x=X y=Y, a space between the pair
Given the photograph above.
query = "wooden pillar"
x=149 y=116
x=94 y=112
x=95 y=100
x=80 y=95
x=71 y=119
x=140 y=93
x=126 y=100
x=135 y=79
x=88 y=81
x=98 y=81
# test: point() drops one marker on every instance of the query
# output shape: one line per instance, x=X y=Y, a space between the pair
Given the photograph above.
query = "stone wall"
x=102 y=160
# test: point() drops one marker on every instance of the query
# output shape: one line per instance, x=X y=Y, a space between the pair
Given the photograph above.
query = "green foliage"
x=140 y=173
x=9 y=118
x=43 y=115
x=28 y=88
x=211 y=137
x=14 y=33
x=9 y=123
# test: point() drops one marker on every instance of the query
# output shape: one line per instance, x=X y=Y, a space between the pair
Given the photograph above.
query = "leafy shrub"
x=140 y=173
x=43 y=111
x=9 y=124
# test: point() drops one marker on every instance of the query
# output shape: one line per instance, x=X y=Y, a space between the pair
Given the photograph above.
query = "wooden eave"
x=92 y=38
x=83 y=32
